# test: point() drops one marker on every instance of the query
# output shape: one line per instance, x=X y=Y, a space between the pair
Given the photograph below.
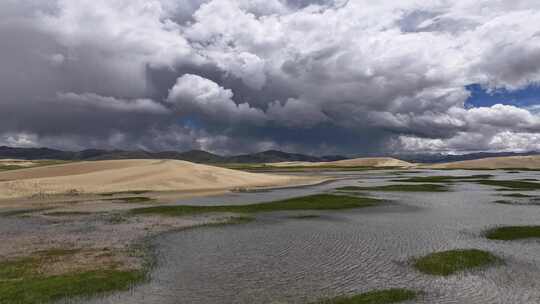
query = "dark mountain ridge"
x=197 y=156
x=446 y=158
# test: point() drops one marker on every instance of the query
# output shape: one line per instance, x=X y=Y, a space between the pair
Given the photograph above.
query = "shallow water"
x=277 y=259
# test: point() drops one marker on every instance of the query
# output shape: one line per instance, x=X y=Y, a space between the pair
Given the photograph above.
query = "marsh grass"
x=505 y=202
x=304 y=216
x=511 y=184
x=446 y=263
x=67 y=213
x=136 y=192
x=233 y=220
x=311 y=202
x=22 y=282
x=443 y=178
x=398 y=188
x=517 y=195
x=518 y=203
x=130 y=199
x=386 y=296
x=269 y=168
x=11 y=167
x=116 y=218
x=34 y=289
x=508 y=233
x=22 y=212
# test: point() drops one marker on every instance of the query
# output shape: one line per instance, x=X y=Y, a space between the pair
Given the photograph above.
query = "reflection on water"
x=282 y=260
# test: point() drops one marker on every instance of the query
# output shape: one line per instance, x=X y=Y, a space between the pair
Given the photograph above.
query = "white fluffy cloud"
x=193 y=95
x=91 y=100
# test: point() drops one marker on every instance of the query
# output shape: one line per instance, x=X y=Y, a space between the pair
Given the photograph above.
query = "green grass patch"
x=443 y=178
x=11 y=167
x=10 y=270
x=304 y=216
x=505 y=202
x=21 y=281
x=386 y=296
x=136 y=192
x=511 y=184
x=311 y=202
x=30 y=289
x=20 y=212
x=398 y=188
x=509 y=233
x=67 y=213
x=517 y=195
x=270 y=168
x=450 y=262
x=131 y=199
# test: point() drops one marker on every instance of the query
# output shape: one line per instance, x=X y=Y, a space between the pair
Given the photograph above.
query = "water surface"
x=277 y=259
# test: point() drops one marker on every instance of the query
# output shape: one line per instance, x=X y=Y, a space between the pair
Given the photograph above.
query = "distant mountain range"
x=197 y=156
x=446 y=158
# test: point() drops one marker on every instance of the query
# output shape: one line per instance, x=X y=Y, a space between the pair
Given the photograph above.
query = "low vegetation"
x=135 y=192
x=443 y=178
x=23 y=282
x=20 y=212
x=304 y=216
x=509 y=233
x=311 y=202
x=11 y=167
x=233 y=220
x=68 y=213
x=517 y=195
x=269 y=168
x=398 y=188
x=386 y=296
x=450 y=262
x=505 y=202
x=518 y=202
x=37 y=163
x=130 y=199
x=511 y=184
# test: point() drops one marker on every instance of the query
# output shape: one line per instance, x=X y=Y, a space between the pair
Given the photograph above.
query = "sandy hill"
x=129 y=175
x=355 y=162
x=524 y=162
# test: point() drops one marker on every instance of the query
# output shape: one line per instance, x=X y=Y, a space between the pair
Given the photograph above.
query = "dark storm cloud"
x=244 y=75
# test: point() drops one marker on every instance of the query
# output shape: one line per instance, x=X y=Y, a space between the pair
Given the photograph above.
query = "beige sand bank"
x=130 y=175
x=355 y=162
x=523 y=162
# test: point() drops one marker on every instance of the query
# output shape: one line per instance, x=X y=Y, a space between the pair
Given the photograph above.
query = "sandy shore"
x=84 y=206
x=355 y=162
x=101 y=239
x=132 y=175
x=510 y=162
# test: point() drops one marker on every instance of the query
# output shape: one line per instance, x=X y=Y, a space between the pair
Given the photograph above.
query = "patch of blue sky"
x=528 y=97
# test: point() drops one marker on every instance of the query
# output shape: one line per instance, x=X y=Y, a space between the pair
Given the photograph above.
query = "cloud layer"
x=243 y=75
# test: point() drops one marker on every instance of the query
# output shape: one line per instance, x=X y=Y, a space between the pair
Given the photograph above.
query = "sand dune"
x=524 y=162
x=355 y=162
x=129 y=175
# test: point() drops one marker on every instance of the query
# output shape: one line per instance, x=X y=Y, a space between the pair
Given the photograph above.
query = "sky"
x=239 y=76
